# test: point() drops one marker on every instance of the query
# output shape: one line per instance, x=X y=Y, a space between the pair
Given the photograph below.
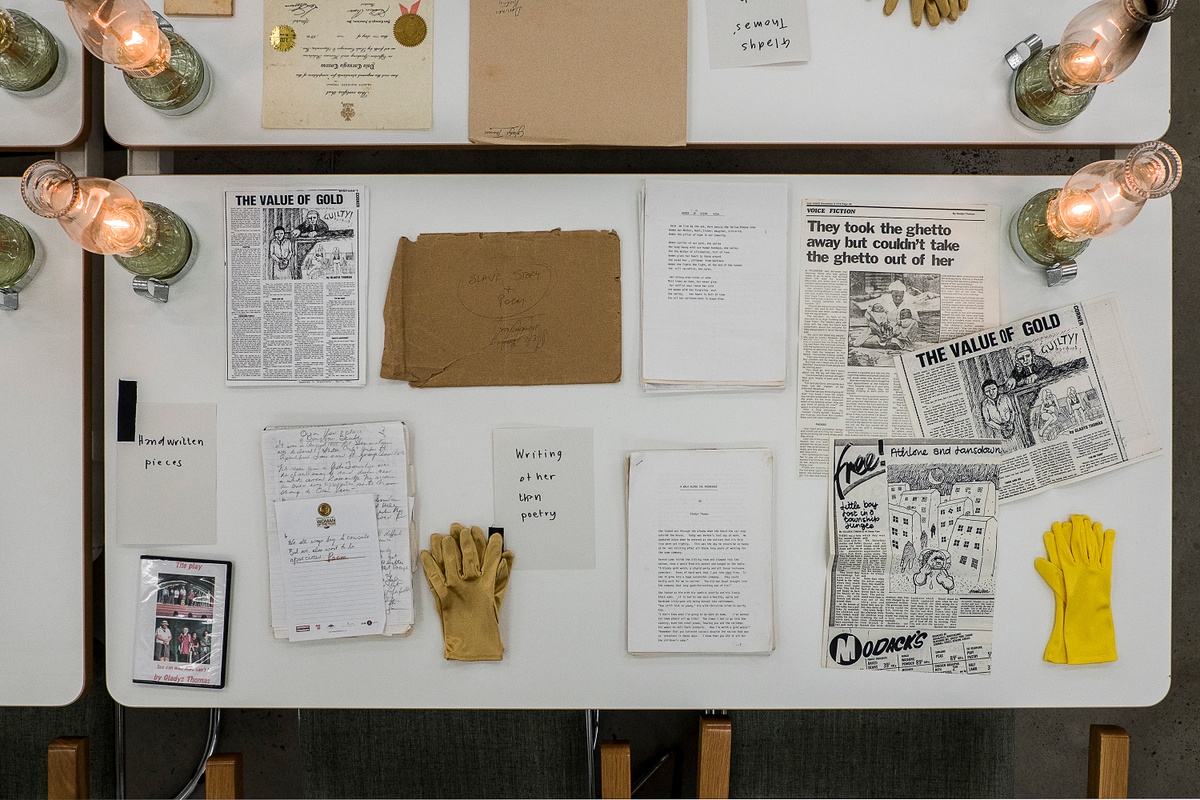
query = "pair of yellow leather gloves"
x=468 y=575
x=1078 y=568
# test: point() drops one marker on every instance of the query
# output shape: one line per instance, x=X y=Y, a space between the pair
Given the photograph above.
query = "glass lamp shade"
x=1097 y=201
x=1055 y=85
x=104 y=217
x=29 y=54
x=123 y=33
x=160 y=66
x=1103 y=40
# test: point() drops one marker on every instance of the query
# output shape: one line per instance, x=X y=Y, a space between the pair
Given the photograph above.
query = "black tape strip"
x=126 y=410
x=500 y=531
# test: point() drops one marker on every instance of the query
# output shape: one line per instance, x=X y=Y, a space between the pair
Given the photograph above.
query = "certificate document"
x=348 y=64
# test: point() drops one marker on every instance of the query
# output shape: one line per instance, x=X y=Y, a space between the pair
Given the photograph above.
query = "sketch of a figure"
x=282 y=253
x=933 y=566
x=998 y=410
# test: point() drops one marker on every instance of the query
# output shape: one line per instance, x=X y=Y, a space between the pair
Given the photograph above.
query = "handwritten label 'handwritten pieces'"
x=545 y=496
x=332 y=575
x=746 y=33
x=355 y=64
x=332 y=460
x=167 y=476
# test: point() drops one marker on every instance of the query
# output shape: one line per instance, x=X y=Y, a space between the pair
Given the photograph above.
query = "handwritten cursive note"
x=746 y=33
x=346 y=459
x=348 y=65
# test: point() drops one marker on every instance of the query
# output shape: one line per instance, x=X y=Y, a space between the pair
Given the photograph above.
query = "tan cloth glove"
x=468 y=575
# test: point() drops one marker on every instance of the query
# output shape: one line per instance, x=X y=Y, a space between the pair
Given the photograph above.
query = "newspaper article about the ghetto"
x=296 y=278
x=877 y=281
x=912 y=555
x=1060 y=390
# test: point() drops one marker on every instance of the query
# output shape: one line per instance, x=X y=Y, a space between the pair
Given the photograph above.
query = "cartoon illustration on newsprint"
x=1033 y=393
x=302 y=245
x=942 y=528
x=890 y=312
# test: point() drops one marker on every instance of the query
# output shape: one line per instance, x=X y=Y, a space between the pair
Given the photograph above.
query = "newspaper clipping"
x=1059 y=390
x=878 y=281
x=296 y=277
x=912 y=554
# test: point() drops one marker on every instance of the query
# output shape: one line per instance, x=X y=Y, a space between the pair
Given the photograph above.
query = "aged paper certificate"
x=348 y=64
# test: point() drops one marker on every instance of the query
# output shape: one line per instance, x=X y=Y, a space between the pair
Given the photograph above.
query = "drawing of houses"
x=947 y=518
x=972 y=547
x=925 y=503
x=904 y=527
x=894 y=492
x=982 y=495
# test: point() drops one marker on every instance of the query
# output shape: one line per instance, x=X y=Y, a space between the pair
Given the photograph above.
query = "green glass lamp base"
x=179 y=89
x=1031 y=239
x=167 y=260
x=1036 y=102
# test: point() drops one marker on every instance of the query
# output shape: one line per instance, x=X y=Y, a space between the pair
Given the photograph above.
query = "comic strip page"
x=913 y=536
x=1059 y=390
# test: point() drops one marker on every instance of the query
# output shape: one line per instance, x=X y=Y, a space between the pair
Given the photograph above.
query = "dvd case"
x=182 y=622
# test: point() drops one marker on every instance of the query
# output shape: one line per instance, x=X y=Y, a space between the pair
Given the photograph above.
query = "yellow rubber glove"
x=1084 y=551
x=468 y=577
x=1051 y=572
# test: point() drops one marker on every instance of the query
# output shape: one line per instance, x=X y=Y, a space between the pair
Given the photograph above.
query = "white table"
x=45 y=628
x=565 y=630
x=872 y=80
x=55 y=119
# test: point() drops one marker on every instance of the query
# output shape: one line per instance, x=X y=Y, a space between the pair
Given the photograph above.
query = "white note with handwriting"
x=747 y=33
x=714 y=285
x=365 y=458
x=700 y=551
x=167 y=476
x=332 y=578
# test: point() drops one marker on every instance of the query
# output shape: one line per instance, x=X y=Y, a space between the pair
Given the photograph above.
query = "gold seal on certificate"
x=410 y=29
x=283 y=38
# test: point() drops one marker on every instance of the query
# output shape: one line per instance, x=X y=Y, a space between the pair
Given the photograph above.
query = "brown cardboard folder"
x=610 y=72
x=499 y=309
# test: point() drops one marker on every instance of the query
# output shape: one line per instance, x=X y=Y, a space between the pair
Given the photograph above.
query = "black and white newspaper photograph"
x=182 y=620
x=296 y=286
x=1059 y=390
x=878 y=281
x=913 y=536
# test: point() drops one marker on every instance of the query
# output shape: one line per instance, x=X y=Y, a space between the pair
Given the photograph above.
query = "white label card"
x=167 y=476
x=747 y=33
x=545 y=496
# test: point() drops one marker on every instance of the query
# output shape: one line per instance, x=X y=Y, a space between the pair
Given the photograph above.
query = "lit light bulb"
x=1079 y=63
x=104 y=217
x=123 y=33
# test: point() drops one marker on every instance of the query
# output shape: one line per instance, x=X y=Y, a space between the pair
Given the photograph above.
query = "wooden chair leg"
x=223 y=776
x=67 y=769
x=716 y=739
x=1108 y=762
x=615 y=778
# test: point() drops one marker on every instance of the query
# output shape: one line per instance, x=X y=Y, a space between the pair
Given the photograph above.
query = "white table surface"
x=871 y=80
x=55 y=119
x=565 y=630
x=43 y=658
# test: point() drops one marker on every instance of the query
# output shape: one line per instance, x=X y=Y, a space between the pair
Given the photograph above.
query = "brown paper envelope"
x=499 y=309
x=578 y=72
